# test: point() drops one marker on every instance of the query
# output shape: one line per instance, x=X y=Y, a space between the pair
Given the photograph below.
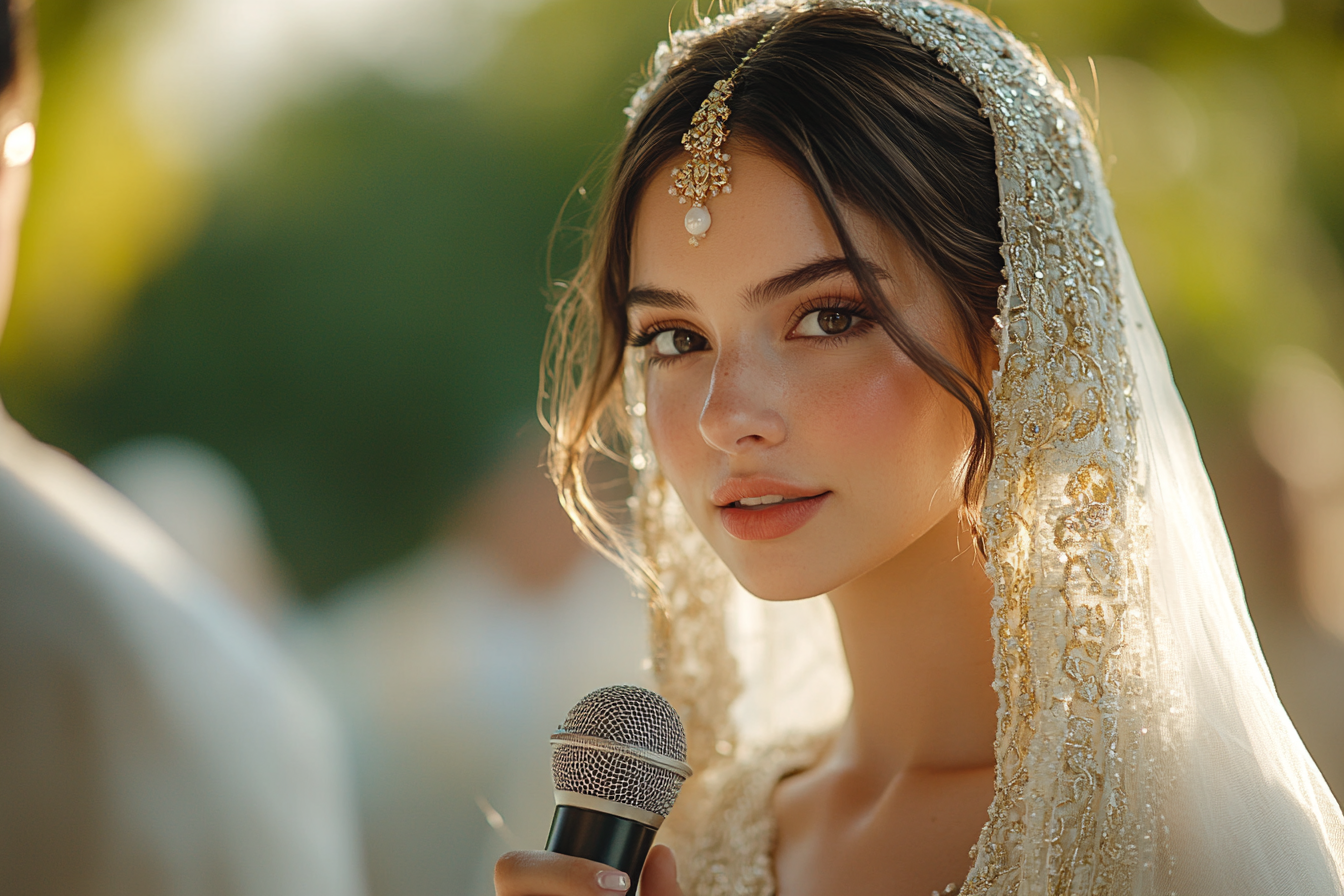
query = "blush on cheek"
x=890 y=429
x=874 y=402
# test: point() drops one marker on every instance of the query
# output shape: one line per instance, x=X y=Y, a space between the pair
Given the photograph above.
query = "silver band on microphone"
x=597 y=804
x=603 y=745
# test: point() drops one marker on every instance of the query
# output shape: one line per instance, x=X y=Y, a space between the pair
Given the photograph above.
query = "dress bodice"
x=732 y=853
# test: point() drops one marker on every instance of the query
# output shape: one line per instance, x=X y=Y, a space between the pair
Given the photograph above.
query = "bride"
x=857 y=313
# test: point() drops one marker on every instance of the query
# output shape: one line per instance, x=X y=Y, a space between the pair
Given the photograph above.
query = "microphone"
x=618 y=763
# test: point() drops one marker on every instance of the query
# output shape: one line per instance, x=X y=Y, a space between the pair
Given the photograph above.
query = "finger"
x=533 y=873
x=659 y=877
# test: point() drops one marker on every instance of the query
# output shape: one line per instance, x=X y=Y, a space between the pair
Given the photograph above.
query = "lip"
x=771 y=521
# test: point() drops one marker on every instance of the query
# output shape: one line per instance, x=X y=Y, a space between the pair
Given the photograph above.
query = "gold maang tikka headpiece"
x=706 y=174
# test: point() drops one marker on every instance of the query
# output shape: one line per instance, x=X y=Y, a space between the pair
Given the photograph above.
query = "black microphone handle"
x=588 y=834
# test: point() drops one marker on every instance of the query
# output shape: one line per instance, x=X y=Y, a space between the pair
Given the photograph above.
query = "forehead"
x=770 y=222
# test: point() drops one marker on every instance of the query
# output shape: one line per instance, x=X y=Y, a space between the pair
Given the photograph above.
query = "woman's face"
x=805 y=446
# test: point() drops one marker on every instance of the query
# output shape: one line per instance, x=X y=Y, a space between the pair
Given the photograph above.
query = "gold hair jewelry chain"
x=706 y=174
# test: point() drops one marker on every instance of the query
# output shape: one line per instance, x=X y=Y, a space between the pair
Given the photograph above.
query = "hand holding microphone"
x=618 y=763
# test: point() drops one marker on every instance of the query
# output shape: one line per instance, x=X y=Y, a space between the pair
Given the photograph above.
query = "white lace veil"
x=1141 y=746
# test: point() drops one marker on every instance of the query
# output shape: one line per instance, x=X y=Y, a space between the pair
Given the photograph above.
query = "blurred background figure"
x=314 y=239
x=451 y=668
x=205 y=505
x=152 y=739
x=1297 y=419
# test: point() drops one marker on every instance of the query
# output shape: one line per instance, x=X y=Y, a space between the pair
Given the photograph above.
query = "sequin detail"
x=734 y=851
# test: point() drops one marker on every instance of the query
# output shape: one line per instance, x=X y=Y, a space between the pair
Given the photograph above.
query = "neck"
x=916 y=632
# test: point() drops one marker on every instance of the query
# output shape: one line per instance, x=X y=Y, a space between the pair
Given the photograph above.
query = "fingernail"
x=618 y=881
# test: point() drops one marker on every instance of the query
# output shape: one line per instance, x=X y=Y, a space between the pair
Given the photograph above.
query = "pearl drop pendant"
x=697 y=222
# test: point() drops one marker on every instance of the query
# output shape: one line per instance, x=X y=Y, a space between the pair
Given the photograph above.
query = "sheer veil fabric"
x=1141 y=747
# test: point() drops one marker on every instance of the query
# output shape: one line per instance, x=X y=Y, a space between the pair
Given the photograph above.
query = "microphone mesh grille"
x=627 y=715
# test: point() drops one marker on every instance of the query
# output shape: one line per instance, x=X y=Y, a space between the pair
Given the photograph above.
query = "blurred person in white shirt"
x=153 y=740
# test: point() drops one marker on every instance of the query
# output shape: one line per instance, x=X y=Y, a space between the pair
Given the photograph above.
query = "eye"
x=678 y=342
x=826 y=322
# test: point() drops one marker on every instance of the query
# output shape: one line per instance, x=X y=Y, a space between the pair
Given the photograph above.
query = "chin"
x=779 y=583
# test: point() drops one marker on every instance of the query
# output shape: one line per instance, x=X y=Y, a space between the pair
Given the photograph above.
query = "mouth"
x=767 y=501
x=765 y=517
x=742 y=492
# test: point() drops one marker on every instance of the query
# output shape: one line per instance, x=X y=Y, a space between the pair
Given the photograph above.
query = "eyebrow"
x=806 y=275
x=761 y=293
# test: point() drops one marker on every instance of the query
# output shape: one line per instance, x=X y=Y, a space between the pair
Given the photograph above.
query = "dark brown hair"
x=870 y=123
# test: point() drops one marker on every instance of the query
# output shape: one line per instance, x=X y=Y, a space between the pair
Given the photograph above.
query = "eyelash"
x=863 y=318
x=863 y=322
x=650 y=333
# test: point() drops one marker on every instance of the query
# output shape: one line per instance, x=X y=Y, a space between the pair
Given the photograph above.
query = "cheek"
x=672 y=414
x=890 y=429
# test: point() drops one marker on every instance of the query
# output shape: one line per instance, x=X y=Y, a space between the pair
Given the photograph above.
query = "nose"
x=742 y=410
